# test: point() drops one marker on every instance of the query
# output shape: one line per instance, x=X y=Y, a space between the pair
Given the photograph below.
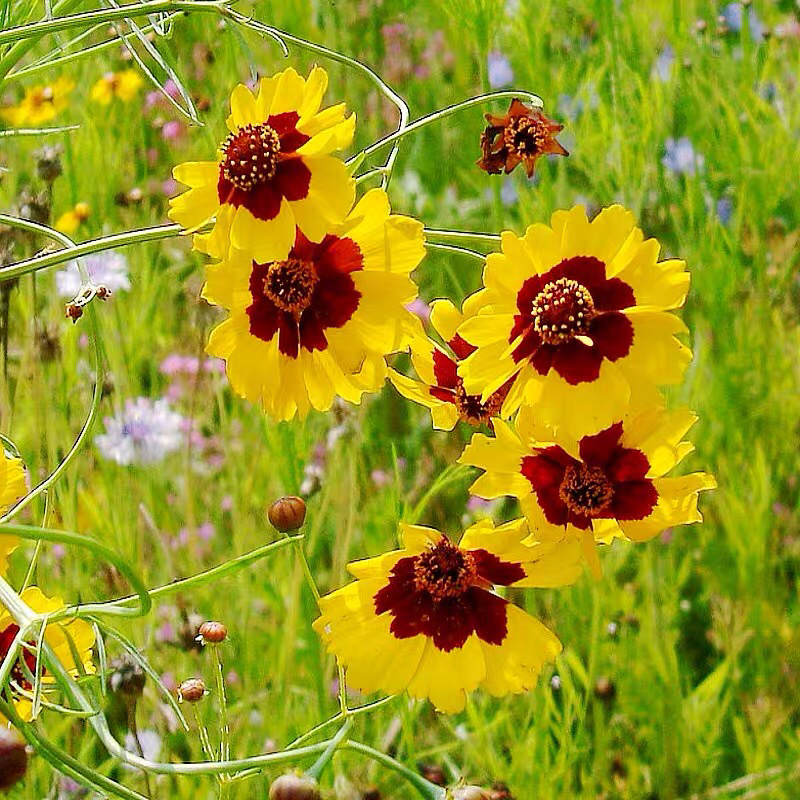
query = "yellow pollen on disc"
x=290 y=284
x=444 y=570
x=525 y=136
x=250 y=156
x=562 y=310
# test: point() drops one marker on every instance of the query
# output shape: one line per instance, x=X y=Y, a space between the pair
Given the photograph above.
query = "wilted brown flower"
x=13 y=758
x=192 y=690
x=521 y=136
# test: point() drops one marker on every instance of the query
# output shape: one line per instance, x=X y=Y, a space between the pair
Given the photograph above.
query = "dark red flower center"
x=311 y=291
x=570 y=320
x=472 y=410
x=562 y=309
x=608 y=482
x=26 y=662
x=42 y=96
x=526 y=135
x=250 y=156
x=290 y=284
x=585 y=490
x=444 y=571
x=444 y=593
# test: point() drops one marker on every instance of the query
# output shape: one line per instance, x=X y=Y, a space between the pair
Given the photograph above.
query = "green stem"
x=315 y=770
x=452 y=248
x=461 y=235
x=116 y=607
x=29 y=576
x=37 y=131
x=101 y=551
x=225 y=731
x=73 y=251
x=309 y=577
x=427 y=789
x=441 y=114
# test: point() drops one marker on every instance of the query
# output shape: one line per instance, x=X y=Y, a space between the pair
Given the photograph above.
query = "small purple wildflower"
x=733 y=14
x=144 y=432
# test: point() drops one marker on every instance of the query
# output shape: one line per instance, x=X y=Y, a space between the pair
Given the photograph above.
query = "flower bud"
x=470 y=793
x=293 y=786
x=13 y=758
x=212 y=633
x=287 y=513
x=192 y=690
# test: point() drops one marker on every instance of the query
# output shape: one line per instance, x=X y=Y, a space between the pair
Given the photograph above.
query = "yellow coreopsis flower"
x=123 y=85
x=441 y=389
x=274 y=172
x=319 y=321
x=13 y=486
x=577 y=314
x=426 y=619
x=40 y=104
x=56 y=635
x=592 y=489
x=71 y=220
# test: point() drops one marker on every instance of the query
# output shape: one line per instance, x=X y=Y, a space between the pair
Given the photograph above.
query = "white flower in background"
x=143 y=433
x=681 y=158
x=108 y=269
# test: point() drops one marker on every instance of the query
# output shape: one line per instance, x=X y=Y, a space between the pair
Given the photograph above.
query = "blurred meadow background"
x=680 y=676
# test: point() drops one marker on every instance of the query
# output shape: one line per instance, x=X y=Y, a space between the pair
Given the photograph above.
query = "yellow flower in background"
x=426 y=619
x=595 y=488
x=123 y=85
x=577 y=315
x=13 y=486
x=273 y=173
x=71 y=220
x=57 y=635
x=40 y=104
x=441 y=389
x=319 y=321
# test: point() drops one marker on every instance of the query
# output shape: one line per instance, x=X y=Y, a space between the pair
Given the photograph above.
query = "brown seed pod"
x=192 y=690
x=294 y=786
x=287 y=513
x=212 y=632
x=13 y=758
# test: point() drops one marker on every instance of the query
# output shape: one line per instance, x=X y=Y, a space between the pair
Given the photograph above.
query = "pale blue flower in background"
x=733 y=14
x=724 y=210
x=680 y=157
x=500 y=71
x=662 y=69
x=144 y=432
x=107 y=269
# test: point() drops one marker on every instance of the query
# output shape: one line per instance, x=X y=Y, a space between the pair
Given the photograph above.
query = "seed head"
x=287 y=513
x=294 y=786
x=127 y=677
x=13 y=758
x=212 y=633
x=192 y=690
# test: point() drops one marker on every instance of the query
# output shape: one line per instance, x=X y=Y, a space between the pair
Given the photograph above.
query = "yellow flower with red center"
x=593 y=489
x=319 y=321
x=57 y=635
x=40 y=104
x=441 y=388
x=577 y=314
x=427 y=619
x=274 y=172
x=13 y=486
x=521 y=136
x=124 y=86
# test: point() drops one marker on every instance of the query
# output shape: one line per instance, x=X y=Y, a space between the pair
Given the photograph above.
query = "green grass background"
x=704 y=650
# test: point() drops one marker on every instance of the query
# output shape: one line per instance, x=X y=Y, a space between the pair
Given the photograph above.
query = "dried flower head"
x=192 y=690
x=287 y=513
x=127 y=677
x=521 y=136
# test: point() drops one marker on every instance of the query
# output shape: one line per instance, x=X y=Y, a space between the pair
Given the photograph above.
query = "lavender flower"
x=733 y=14
x=143 y=433
x=724 y=210
x=680 y=157
x=109 y=269
x=500 y=71
x=663 y=66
